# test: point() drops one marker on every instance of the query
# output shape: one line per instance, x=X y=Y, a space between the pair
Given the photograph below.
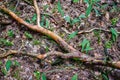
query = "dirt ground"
x=56 y=68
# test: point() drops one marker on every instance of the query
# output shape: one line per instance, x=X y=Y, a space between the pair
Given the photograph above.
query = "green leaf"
x=34 y=17
x=43 y=76
x=85 y=45
x=75 y=20
x=8 y=65
x=60 y=8
x=82 y=16
x=75 y=1
x=4 y=71
x=108 y=44
x=47 y=23
x=89 y=9
x=72 y=35
x=75 y=77
x=10 y=33
x=97 y=12
x=105 y=77
x=28 y=35
x=67 y=18
x=37 y=75
x=84 y=42
x=42 y=23
x=114 y=34
x=16 y=63
x=5 y=42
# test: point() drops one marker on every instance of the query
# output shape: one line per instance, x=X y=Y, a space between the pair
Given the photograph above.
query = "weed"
x=114 y=34
x=90 y=4
x=85 y=45
x=72 y=35
x=10 y=33
x=37 y=75
x=108 y=44
x=114 y=21
x=43 y=76
x=28 y=35
x=75 y=77
x=36 y=42
x=17 y=75
x=75 y=1
x=4 y=71
x=97 y=34
x=5 y=42
x=8 y=65
x=60 y=8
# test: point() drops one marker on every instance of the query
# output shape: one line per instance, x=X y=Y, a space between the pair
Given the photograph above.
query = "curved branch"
x=114 y=64
x=88 y=31
x=38 y=12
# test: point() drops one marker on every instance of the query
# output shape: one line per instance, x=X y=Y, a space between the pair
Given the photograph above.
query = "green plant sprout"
x=72 y=35
x=114 y=34
x=28 y=35
x=10 y=33
x=85 y=44
x=5 y=42
x=75 y=77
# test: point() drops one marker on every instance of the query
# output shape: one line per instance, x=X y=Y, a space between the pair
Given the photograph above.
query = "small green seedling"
x=10 y=33
x=8 y=65
x=85 y=45
x=60 y=8
x=5 y=42
x=108 y=44
x=114 y=21
x=36 y=42
x=34 y=18
x=37 y=75
x=90 y=4
x=72 y=35
x=43 y=76
x=114 y=34
x=75 y=1
x=97 y=34
x=75 y=77
x=28 y=35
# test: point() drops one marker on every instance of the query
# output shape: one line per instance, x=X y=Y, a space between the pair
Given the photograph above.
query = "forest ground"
x=104 y=15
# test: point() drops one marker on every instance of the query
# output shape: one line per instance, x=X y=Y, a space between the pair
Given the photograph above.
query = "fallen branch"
x=64 y=56
x=73 y=53
x=91 y=30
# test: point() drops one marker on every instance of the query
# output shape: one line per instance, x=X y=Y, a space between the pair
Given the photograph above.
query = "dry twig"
x=91 y=30
x=38 y=12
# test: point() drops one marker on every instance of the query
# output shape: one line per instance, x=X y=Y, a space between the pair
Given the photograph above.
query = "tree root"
x=73 y=53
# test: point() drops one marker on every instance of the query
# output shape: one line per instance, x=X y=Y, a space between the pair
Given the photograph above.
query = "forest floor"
x=105 y=14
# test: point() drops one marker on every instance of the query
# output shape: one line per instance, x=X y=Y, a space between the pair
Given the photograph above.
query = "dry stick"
x=84 y=31
x=38 y=12
x=63 y=44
